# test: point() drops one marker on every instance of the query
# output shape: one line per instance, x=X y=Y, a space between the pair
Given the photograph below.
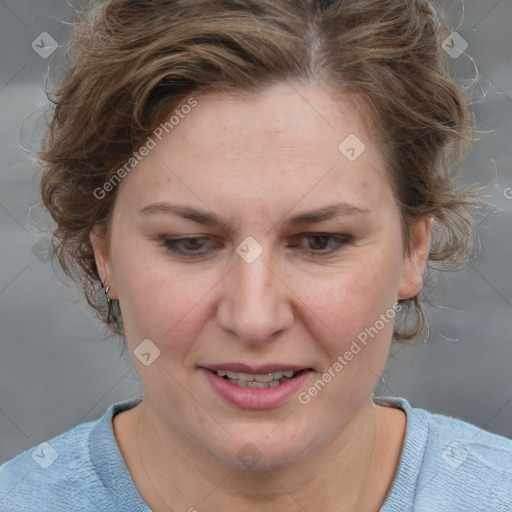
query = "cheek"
x=157 y=298
x=358 y=312
x=345 y=310
x=351 y=299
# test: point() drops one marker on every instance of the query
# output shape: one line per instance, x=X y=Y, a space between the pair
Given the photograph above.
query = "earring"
x=107 y=289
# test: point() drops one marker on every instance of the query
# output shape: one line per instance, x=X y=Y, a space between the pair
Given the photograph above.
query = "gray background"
x=56 y=368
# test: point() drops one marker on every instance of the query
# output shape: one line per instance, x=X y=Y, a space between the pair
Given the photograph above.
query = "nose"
x=255 y=303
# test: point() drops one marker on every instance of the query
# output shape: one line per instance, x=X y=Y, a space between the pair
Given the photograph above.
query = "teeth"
x=247 y=377
x=257 y=385
x=259 y=381
x=254 y=384
x=260 y=377
x=267 y=377
x=239 y=383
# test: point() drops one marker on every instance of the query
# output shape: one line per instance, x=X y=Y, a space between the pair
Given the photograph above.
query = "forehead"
x=284 y=145
x=282 y=122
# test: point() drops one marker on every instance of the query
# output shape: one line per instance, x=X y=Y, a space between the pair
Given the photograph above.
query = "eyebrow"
x=207 y=218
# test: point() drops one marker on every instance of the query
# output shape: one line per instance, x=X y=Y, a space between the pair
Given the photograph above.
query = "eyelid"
x=171 y=243
x=342 y=240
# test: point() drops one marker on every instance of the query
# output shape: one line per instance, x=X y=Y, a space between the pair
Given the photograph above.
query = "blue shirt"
x=446 y=465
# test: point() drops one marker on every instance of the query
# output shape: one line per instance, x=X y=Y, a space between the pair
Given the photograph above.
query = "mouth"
x=256 y=387
x=258 y=380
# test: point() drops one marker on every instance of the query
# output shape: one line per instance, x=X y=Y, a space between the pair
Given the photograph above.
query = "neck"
x=175 y=473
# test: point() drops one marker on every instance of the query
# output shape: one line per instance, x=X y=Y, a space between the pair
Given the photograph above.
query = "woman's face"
x=290 y=250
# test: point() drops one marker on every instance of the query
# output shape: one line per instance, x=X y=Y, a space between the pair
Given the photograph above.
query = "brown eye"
x=321 y=244
x=186 y=246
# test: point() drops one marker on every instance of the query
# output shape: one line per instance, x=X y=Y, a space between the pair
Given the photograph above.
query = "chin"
x=260 y=453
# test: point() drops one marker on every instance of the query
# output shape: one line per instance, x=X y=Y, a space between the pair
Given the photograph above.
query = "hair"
x=131 y=62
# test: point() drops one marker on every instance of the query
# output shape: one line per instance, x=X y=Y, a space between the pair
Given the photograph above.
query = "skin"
x=254 y=163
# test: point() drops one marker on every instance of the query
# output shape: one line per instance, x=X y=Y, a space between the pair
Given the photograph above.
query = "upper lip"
x=256 y=370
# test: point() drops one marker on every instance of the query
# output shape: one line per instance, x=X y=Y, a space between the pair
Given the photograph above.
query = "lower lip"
x=247 y=398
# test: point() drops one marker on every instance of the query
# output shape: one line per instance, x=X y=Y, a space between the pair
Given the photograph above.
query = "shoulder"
x=80 y=470
x=466 y=446
x=458 y=466
x=41 y=477
x=469 y=458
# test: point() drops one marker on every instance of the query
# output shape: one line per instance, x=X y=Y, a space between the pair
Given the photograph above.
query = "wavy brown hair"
x=131 y=62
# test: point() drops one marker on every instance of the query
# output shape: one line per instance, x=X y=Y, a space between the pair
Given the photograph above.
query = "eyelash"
x=171 y=244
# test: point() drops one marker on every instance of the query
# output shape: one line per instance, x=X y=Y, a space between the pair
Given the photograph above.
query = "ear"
x=415 y=262
x=102 y=257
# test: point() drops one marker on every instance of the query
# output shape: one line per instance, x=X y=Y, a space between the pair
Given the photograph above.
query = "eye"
x=187 y=246
x=316 y=244
x=321 y=244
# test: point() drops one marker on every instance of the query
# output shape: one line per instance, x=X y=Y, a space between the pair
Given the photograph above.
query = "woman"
x=258 y=187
